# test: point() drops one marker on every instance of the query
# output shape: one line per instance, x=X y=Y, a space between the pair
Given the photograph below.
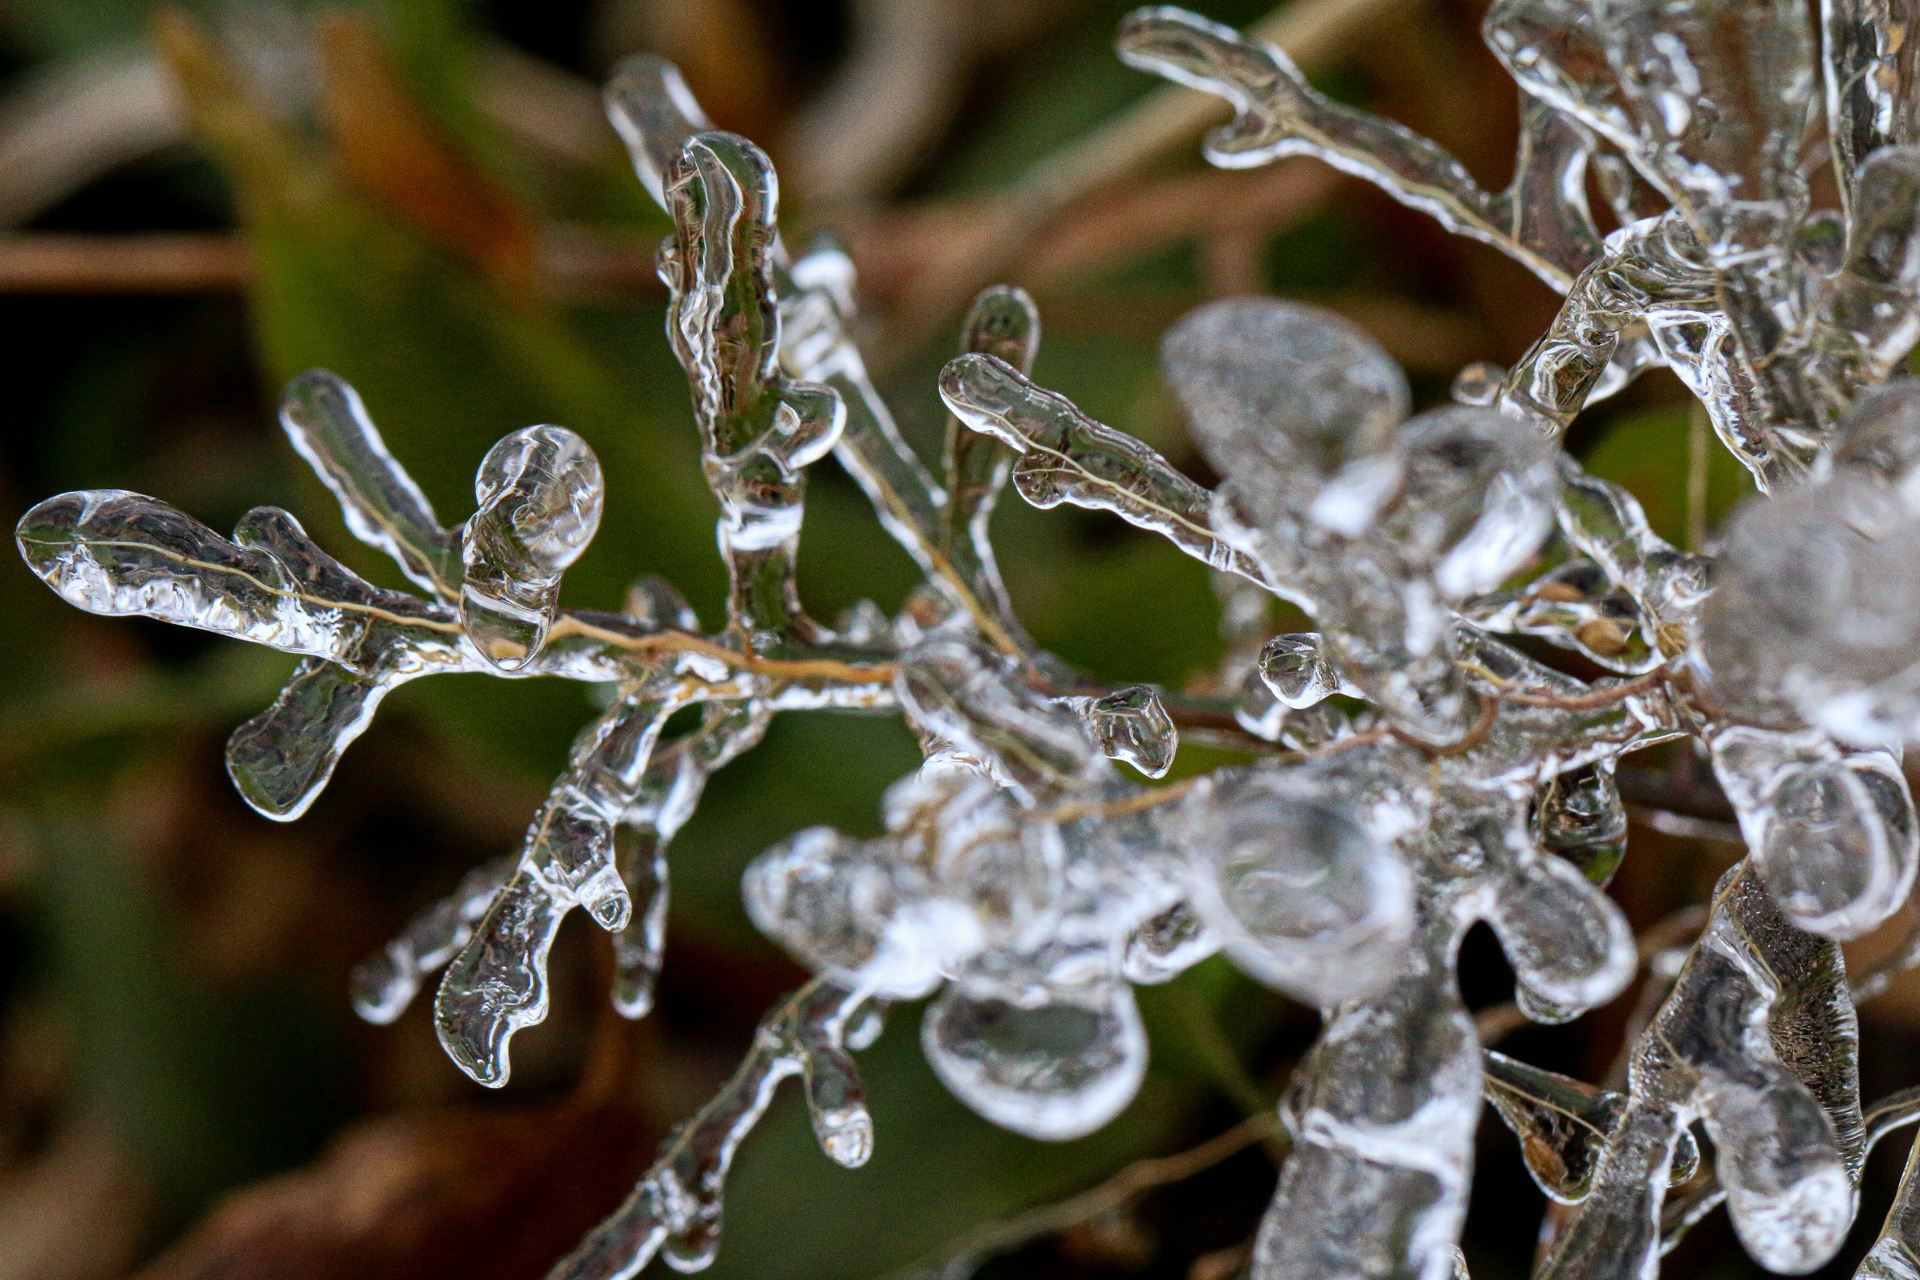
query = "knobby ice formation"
x=1413 y=774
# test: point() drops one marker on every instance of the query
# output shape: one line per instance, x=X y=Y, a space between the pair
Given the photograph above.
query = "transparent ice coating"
x=384 y=985
x=1564 y=1124
x=1411 y=774
x=1061 y=455
x=662 y=800
x=1815 y=616
x=1054 y=1070
x=540 y=496
x=329 y=427
x=991 y=881
x=1832 y=832
x=1002 y=322
x=1306 y=896
x=1541 y=219
x=758 y=427
x=676 y=1209
x=1374 y=526
x=1757 y=1039
x=1580 y=816
x=655 y=115
x=119 y=553
x=1774 y=313
x=496 y=984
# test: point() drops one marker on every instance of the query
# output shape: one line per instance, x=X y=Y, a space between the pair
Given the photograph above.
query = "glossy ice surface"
x=1411 y=774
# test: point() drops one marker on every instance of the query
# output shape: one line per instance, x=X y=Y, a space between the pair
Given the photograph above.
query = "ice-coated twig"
x=1434 y=777
x=655 y=115
x=1541 y=220
x=1003 y=323
x=497 y=984
x=1758 y=1039
x=384 y=985
x=676 y=1207
x=658 y=807
x=759 y=428
x=1061 y=455
x=384 y=508
x=1871 y=78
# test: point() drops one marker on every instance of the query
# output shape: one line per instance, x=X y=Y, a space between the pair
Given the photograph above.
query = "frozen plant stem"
x=1412 y=773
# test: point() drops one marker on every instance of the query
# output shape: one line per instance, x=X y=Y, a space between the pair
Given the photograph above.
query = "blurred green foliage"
x=213 y=1083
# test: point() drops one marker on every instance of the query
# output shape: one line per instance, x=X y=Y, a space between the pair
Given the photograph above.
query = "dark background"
x=421 y=195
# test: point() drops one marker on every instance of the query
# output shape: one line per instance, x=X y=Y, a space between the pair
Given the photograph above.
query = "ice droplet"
x=1054 y=1070
x=541 y=494
x=1302 y=895
x=1132 y=724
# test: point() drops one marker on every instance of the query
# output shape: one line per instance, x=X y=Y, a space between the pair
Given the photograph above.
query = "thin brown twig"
x=966 y=1255
x=1137 y=803
x=1592 y=701
x=1310 y=31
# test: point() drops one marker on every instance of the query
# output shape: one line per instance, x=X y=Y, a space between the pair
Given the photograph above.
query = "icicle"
x=676 y=1208
x=384 y=985
x=497 y=984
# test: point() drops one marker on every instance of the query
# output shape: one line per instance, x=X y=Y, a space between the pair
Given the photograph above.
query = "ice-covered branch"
x=1541 y=220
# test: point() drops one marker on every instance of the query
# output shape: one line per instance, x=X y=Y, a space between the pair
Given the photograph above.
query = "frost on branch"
x=1409 y=773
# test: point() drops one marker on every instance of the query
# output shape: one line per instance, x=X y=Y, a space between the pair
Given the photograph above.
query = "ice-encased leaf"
x=653 y=111
x=972 y=701
x=384 y=985
x=1382 y=1112
x=1002 y=322
x=1758 y=1039
x=1563 y=1126
x=1873 y=303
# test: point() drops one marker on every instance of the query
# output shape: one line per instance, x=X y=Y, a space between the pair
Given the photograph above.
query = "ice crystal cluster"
x=1413 y=772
